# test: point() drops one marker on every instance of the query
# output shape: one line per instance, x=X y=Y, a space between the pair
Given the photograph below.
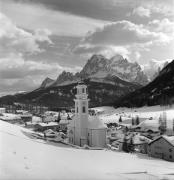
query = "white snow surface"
x=24 y=158
x=149 y=125
x=109 y=114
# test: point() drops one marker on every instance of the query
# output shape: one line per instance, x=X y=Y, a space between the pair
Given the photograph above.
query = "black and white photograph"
x=86 y=89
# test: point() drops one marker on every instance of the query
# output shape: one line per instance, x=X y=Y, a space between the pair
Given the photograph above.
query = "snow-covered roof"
x=64 y=121
x=95 y=123
x=169 y=139
x=138 y=139
x=48 y=124
x=149 y=125
x=9 y=116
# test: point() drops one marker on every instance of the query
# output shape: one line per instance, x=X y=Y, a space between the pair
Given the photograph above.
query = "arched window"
x=83 y=90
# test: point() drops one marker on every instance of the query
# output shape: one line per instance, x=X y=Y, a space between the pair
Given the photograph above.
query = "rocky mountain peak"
x=99 y=66
x=65 y=76
x=118 y=58
x=47 y=82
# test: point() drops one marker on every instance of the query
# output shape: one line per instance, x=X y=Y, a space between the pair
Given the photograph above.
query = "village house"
x=2 y=110
x=162 y=147
x=11 y=118
x=25 y=115
x=45 y=126
x=84 y=129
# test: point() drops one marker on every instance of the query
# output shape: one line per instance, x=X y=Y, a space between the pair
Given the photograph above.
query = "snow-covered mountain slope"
x=153 y=68
x=30 y=159
x=159 y=91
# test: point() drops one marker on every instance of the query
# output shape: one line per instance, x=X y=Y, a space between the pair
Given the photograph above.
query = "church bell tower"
x=81 y=113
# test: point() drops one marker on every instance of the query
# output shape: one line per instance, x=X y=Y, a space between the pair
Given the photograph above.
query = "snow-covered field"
x=25 y=158
x=109 y=114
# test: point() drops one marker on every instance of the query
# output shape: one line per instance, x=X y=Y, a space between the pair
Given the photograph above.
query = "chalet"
x=2 y=110
x=25 y=115
x=44 y=126
x=141 y=143
x=63 y=125
x=162 y=147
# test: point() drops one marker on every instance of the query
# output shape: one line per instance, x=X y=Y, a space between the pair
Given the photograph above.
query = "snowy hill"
x=25 y=158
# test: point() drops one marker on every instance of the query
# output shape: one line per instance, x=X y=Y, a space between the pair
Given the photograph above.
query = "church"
x=85 y=129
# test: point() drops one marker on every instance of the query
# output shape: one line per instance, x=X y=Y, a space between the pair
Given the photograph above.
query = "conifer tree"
x=133 y=123
x=58 y=118
x=137 y=120
x=120 y=119
x=68 y=117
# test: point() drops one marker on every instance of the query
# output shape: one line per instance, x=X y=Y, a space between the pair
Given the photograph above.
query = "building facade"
x=162 y=147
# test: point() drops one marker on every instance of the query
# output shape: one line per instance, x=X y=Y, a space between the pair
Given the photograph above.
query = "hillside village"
x=136 y=130
x=141 y=136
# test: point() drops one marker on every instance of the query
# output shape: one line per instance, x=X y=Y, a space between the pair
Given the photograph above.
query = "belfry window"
x=84 y=109
x=83 y=90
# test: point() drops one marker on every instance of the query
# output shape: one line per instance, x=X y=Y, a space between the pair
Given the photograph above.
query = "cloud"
x=141 y=11
x=123 y=33
x=153 y=66
x=107 y=51
x=18 y=72
x=163 y=25
x=14 y=66
x=112 y=10
x=137 y=55
x=37 y=16
x=120 y=37
x=16 y=39
x=160 y=6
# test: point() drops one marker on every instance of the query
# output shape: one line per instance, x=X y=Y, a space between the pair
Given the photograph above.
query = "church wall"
x=97 y=137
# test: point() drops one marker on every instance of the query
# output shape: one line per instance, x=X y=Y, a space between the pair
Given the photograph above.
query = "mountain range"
x=98 y=68
x=113 y=81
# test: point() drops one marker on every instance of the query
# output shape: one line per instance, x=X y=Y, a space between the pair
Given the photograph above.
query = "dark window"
x=170 y=156
x=77 y=110
x=170 y=150
x=84 y=109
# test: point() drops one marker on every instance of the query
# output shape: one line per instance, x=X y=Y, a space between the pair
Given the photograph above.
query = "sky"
x=42 y=38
